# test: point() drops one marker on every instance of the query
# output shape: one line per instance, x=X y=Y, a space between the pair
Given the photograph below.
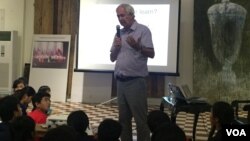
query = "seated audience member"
x=168 y=132
x=41 y=104
x=80 y=122
x=9 y=110
x=24 y=96
x=155 y=118
x=44 y=88
x=60 y=133
x=23 y=129
x=222 y=113
x=109 y=130
x=31 y=92
x=19 y=84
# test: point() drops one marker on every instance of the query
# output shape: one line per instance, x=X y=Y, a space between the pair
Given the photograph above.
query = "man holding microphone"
x=131 y=48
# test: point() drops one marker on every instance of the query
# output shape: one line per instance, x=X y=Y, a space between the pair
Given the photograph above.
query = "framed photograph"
x=50 y=51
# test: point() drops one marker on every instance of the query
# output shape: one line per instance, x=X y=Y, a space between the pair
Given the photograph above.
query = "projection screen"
x=97 y=27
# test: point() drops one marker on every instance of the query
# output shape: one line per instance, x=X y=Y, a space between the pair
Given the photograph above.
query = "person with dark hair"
x=109 y=130
x=41 y=105
x=222 y=113
x=80 y=122
x=19 y=84
x=156 y=118
x=44 y=88
x=31 y=92
x=131 y=48
x=168 y=132
x=60 y=133
x=25 y=96
x=23 y=129
x=9 y=110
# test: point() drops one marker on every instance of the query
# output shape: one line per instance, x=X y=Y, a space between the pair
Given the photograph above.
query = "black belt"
x=127 y=78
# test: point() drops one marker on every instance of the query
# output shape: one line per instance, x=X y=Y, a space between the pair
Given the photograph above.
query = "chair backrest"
x=237 y=104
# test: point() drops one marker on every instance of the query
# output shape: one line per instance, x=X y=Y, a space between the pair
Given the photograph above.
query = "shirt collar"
x=132 y=28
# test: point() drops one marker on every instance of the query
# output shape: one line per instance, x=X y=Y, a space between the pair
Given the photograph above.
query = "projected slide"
x=98 y=27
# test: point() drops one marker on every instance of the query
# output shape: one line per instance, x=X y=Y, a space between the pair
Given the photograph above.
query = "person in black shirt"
x=80 y=122
x=222 y=113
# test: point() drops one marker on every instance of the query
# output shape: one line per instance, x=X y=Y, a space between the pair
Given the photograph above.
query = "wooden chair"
x=247 y=108
x=237 y=104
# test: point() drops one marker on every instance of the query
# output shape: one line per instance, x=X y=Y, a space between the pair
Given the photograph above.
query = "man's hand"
x=134 y=44
x=117 y=42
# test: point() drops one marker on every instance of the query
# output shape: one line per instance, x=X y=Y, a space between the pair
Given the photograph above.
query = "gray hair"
x=129 y=9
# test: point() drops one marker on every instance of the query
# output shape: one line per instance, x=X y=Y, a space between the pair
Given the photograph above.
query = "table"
x=194 y=108
x=52 y=122
x=40 y=131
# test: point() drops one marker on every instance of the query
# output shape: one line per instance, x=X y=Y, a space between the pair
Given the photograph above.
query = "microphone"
x=118 y=34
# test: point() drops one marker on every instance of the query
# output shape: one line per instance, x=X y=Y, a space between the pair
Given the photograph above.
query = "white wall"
x=186 y=43
x=18 y=15
x=93 y=87
x=28 y=30
x=12 y=18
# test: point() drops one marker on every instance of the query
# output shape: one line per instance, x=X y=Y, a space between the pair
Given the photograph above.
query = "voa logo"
x=236 y=132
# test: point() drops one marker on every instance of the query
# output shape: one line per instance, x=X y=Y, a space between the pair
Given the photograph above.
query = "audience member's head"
x=22 y=95
x=78 y=120
x=60 y=133
x=19 y=84
x=44 y=89
x=221 y=113
x=109 y=130
x=24 y=80
x=28 y=90
x=41 y=101
x=168 y=132
x=23 y=128
x=156 y=118
x=9 y=108
x=31 y=92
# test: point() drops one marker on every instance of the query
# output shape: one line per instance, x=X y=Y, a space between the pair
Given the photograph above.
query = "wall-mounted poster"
x=50 y=53
x=49 y=64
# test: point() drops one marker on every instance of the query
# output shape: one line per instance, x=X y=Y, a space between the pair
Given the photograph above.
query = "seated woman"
x=222 y=113
x=80 y=122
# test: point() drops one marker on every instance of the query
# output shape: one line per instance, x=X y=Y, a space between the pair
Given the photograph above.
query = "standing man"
x=131 y=48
